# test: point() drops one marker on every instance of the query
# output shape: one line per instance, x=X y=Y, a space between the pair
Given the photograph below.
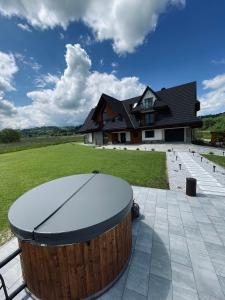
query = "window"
x=149 y=134
x=148 y=103
x=148 y=118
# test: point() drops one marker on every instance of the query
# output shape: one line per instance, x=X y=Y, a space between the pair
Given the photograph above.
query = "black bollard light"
x=201 y=158
x=176 y=157
x=180 y=166
x=214 y=169
x=191 y=184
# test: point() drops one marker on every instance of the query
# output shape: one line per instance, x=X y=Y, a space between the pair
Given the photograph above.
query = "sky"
x=58 y=57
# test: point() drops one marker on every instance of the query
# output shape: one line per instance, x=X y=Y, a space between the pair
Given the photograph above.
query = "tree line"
x=9 y=135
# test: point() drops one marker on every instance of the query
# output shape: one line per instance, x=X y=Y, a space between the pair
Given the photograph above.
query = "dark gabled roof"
x=89 y=124
x=116 y=106
x=180 y=102
x=145 y=91
x=159 y=104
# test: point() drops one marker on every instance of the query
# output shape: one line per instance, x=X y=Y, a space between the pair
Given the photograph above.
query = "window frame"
x=151 y=118
x=149 y=131
x=147 y=100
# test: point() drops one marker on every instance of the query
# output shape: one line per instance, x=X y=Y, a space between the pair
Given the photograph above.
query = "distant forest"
x=214 y=122
x=50 y=131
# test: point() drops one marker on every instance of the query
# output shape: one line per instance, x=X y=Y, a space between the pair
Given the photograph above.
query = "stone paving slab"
x=176 y=175
x=165 y=147
x=178 y=250
x=206 y=180
x=219 y=173
x=181 y=165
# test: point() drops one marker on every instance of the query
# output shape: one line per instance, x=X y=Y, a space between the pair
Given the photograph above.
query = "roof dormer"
x=147 y=100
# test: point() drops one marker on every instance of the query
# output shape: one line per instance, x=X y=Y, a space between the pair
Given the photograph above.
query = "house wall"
x=128 y=137
x=187 y=135
x=89 y=138
x=98 y=138
x=158 y=136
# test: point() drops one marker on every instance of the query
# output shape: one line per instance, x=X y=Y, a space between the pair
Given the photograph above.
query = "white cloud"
x=86 y=40
x=61 y=35
x=8 y=68
x=214 y=83
x=73 y=94
x=28 y=61
x=44 y=80
x=24 y=27
x=219 y=62
x=125 y=22
x=7 y=112
x=213 y=101
x=7 y=109
x=114 y=64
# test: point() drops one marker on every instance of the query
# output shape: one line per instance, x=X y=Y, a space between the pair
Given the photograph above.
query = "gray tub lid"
x=71 y=209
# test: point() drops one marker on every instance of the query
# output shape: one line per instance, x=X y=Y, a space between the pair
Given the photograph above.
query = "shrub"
x=125 y=148
x=9 y=135
x=137 y=149
x=211 y=153
x=199 y=142
x=153 y=149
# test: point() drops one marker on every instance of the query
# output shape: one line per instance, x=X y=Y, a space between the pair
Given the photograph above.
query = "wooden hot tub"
x=75 y=235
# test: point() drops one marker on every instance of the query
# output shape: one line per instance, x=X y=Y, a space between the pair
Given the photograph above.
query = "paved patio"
x=178 y=147
x=178 y=250
x=195 y=165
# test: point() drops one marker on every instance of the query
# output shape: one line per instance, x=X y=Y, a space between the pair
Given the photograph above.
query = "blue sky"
x=185 y=42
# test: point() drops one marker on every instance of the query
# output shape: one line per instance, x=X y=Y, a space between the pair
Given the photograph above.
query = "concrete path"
x=178 y=250
x=164 y=147
x=207 y=183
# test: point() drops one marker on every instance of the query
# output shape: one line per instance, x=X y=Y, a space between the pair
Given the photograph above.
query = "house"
x=168 y=115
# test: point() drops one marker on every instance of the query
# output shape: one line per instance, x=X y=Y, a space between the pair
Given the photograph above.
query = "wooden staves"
x=79 y=270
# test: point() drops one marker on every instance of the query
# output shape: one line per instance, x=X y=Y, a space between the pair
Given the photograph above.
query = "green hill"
x=214 y=122
x=50 y=131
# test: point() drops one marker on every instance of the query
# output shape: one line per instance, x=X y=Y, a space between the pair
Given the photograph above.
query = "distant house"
x=168 y=115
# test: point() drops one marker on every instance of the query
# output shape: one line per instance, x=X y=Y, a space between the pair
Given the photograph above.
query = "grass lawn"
x=37 y=142
x=220 y=160
x=23 y=170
